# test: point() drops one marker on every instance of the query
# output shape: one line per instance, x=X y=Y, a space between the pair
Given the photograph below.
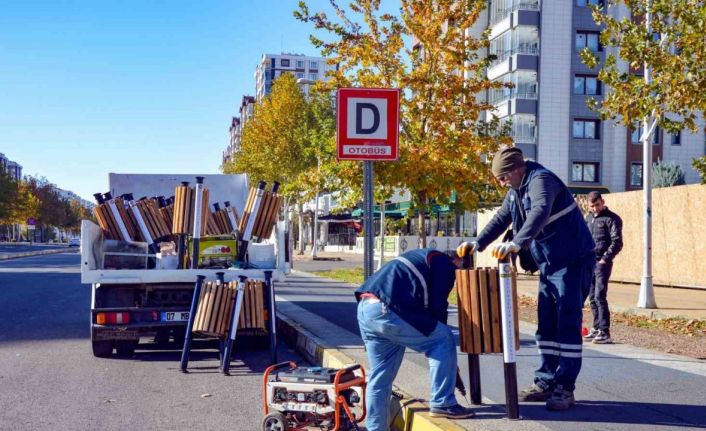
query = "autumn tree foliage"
x=671 y=46
x=425 y=51
x=276 y=143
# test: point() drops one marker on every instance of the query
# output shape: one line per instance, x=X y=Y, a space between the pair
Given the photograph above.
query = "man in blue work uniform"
x=403 y=305
x=546 y=221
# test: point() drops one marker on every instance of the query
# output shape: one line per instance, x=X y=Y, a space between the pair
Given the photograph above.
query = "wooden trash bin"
x=479 y=315
x=215 y=309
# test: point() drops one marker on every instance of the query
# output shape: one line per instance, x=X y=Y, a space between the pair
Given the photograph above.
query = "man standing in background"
x=607 y=230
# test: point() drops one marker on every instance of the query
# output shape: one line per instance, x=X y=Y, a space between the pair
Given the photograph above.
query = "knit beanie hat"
x=507 y=160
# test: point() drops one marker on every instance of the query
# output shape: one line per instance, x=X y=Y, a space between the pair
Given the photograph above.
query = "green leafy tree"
x=669 y=50
x=667 y=174
x=8 y=197
x=700 y=166
x=442 y=140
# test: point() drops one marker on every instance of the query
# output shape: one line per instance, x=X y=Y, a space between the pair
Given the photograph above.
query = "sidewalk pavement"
x=622 y=297
x=17 y=250
x=621 y=387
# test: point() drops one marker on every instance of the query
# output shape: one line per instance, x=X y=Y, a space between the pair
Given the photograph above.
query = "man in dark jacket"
x=546 y=221
x=607 y=230
x=403 y=305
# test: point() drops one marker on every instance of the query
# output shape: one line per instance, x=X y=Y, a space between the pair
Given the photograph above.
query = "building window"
x=313 y=76
x=675 y=138
x=284 y=62
x=300 y=64
x=586 y=129
x=313 y=64
x=584 y=172
x=587 y=84
x=299 y=75
x=636 y=174
x=584 y=3
x=636 y=134
x=588 y=39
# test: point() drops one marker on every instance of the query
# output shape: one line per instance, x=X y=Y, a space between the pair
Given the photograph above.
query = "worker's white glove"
x=503 y=249
x=466 y=248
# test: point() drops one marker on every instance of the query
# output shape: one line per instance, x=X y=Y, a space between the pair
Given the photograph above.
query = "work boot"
x=452 y=412
x=560 y=400
x=535 y=393
x=603 y=337
x=591 y=334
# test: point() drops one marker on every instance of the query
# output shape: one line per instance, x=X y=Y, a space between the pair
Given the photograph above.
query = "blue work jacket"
x=545 y=219
x=416 y=286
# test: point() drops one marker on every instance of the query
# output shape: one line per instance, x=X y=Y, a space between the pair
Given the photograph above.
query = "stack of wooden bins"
x=167 y=212
x=153 y=219
x=109 y=224
x=215 y=309
x=265 y=216
x=479 y=315
x=183 y=221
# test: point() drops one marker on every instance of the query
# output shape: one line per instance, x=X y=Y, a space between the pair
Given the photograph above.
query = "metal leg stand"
x=235 y=318
x=474 y=378
x=190 y=323
x=271 y=317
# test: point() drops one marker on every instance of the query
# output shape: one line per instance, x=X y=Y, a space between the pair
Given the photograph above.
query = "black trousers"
x=598 y=295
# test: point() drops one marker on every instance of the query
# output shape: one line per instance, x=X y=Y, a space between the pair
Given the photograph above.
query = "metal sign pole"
x=508 y=331
x=368 y=242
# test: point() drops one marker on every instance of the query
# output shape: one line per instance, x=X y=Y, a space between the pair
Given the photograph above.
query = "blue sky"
x=139 y=86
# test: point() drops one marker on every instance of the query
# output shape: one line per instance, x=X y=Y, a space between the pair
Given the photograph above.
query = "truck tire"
x=102 y=349
x=275 y=421
x=125 y=348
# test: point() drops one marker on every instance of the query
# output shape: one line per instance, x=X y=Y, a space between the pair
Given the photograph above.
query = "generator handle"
x=265 y=378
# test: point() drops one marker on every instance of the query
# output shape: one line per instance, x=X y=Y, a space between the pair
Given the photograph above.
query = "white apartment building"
x=13 y=169
x=301 y=66
x=537 y=44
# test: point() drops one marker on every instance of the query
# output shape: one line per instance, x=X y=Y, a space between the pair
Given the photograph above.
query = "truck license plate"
x=175 y=316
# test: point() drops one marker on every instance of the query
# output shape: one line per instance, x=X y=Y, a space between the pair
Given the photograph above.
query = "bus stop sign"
x=367 y=123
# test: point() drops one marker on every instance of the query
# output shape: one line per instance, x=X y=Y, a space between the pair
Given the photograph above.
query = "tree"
x=667 y=174
x=657 y=72
x=442 y=140
x=700 y=166
x=275 y=142
x=663 y=40
x=8 y=197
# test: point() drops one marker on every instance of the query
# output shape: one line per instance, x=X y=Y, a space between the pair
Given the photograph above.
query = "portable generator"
x=315 y=397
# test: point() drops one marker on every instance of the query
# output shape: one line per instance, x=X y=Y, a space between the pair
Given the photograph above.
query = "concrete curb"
x=7 y=256
x=409 y=413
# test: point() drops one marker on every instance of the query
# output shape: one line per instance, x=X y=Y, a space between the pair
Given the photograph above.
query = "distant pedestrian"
x=607 y=230
x=403 y=305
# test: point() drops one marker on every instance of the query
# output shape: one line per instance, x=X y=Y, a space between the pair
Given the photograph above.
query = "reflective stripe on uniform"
x=419 y=275
x=560 y=213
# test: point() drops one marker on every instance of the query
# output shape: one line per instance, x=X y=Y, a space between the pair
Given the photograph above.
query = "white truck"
x=128 y=303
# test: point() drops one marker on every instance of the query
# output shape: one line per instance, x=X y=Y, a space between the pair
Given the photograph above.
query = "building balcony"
x=501 y=10
x=513 y=63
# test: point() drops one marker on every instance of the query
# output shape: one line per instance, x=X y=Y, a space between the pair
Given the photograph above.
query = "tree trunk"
x=422 y=232
x=301 y=228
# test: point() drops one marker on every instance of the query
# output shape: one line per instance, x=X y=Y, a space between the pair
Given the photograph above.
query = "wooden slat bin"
x=215 y=309
x=479 y=316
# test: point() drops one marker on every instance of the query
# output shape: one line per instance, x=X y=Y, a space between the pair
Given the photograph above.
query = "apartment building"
x=301 y=66
x=245 y=111
x=13 y=169
x=537 y=45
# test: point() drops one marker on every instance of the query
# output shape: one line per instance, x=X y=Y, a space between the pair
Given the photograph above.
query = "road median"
x=6 y=256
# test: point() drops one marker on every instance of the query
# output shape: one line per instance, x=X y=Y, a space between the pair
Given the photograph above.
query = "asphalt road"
x=620 y=387
x=49 y=379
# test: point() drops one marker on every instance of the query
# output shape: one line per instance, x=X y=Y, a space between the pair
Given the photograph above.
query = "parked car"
x=75 y=242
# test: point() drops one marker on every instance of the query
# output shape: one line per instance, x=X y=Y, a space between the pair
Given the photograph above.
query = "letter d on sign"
x=359 y=129
x=367 y=118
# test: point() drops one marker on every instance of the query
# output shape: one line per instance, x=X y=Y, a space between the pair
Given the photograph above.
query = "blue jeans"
x=559 y=314
x=386 y=336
